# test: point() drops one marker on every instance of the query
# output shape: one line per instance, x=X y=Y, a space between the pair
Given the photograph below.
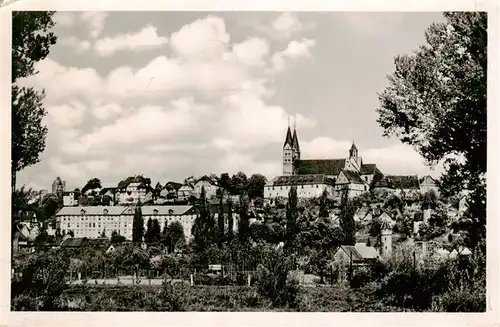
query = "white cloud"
x=252 y=51
x=294 y=50
x=95 y=21
x=79 y=45
x=67 y=115
x=64 y=18
x=147 y=38
x=234 y=162
x=95 y=166
x=107 y=111
x=202 y=39
x=287 y=24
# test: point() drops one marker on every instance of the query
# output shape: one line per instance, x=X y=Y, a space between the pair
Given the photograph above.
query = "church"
x=349 y=175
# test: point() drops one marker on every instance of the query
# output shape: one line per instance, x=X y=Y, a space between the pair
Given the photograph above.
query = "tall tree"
x=220 y=220
x=244 y=222
x=155 y=231
x=138 y=224
x=148 y=235
x=291 y=220
x=256 y=184
x=230 y=220
x=436 y=102
x=31 y=42
x=158 y=189
x=346 y=216
x=175 y=235
x=203 y=227
x=239 y=183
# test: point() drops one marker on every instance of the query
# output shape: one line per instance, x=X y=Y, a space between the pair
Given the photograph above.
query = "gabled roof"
x=360 y=251
x=74 y=242
x=172 y=186
x=300 y=180
x=107 y=189
x=352 y=177
x=91 y=210
x=319 y=166
x=167 y=210
x=207 y=179
x=99 y=242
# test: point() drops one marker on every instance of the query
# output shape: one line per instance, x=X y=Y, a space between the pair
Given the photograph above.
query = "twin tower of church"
x=291 y=150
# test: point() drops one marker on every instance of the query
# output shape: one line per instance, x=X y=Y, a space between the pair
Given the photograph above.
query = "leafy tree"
x=230 y=220
x=429 y=200
x=256 y=184
x=71 y=233
x=239 y=183
x=291 y=220
x=103 y=234
x=175 y=236
x=92 y=183
x=158 y=189
x=436 y=102
x=138 y=224
x=31 y=42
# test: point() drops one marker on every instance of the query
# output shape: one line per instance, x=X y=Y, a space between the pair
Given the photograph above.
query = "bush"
x=272 y=279
x=171 y=297
x=361 y=276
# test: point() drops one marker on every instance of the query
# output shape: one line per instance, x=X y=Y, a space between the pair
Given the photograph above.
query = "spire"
x=295 y=139
x=288 y=139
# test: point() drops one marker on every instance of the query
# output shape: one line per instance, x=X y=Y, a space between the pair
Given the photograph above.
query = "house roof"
x=73 y=242
x=360 y=251
x=352 y=176
x=173 y=186
x=405 y=182
x=91 y=210
x=107 y=189
x=300 y=180
x=208 y=179
x=167 y=210
x=369 y=169
x=319 y=166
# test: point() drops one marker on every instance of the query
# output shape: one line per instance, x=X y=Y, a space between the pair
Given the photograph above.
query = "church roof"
x=301 y=180
x=289 y=139
x=295 y=140
x=352 y=176
x=321 y=166
x=369 y=169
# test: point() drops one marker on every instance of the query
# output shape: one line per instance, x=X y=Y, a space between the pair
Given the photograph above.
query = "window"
x=105 y=212
x=170 y=211
x=82 y=212
x=155 y=212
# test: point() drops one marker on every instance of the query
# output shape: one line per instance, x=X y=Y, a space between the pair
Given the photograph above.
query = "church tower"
x=354 y=156
x=295 y=143
x=288 y=152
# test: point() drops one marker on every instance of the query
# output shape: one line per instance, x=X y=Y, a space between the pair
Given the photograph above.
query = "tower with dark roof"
x=288 y=152
x=386 y=239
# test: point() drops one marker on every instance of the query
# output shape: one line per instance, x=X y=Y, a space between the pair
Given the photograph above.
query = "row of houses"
x=135 y=190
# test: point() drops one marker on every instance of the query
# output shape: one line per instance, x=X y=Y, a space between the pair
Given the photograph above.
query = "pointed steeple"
x=295 y=139
x=289 y=138
x=353 y=151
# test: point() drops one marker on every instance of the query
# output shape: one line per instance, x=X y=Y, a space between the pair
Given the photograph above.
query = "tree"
x=323 y=205
x=244 y=222
x=103 y=234
x=230 y=220
x=155 y=231
x=203 y=227
x=220 y=222
x=138 y=224
x=239 y=183
x=31 y=42
x=346 y=216
x=148 y=235
x=436 y=102
x=92 y=183
x=175 y=236
x=158 y=189
x=291 y=220
x=256 y=185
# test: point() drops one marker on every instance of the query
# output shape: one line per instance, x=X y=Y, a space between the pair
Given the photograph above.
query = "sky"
x=176 y=94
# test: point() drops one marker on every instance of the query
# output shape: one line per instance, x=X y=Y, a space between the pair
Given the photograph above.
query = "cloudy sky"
x=170 y=95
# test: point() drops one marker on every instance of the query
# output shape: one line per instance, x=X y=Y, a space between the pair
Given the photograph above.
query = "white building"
x=308 y=186
x=70 y=199
x=134 y=192
x=208 y=183
x=92 y=221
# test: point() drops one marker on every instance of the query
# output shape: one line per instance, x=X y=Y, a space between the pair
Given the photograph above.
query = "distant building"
x=208 y=183
x=308 y=186
x=94 y=221
x=427 y=183
x=185 y=191
x=70 y=199
x=132 y=193
x=58 y=186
